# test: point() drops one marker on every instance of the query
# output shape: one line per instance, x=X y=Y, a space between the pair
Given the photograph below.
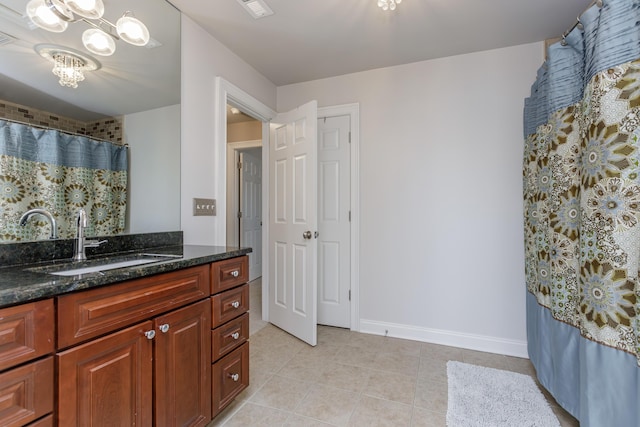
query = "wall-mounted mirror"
x=140 y=85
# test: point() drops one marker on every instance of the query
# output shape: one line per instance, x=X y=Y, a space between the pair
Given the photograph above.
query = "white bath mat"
x=486 y=397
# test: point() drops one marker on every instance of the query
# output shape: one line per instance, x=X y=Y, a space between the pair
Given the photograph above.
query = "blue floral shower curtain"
x=581 y=180
x=59 y=172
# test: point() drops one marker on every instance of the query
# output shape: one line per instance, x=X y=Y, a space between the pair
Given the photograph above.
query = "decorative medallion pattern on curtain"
x=581 y=184
x=61 y=173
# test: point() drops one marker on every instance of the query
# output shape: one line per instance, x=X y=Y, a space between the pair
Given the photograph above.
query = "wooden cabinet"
x=149 y=358
x=26 y=364
x=165 y=350
x=230 y=376
x=229 y=273
x=230 y=334
x=183 y=366
x=107 y=381
x=88 y=314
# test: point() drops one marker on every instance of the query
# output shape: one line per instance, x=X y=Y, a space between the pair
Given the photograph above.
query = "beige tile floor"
x=350 y=379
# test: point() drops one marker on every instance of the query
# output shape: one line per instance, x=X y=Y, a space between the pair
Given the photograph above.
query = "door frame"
x=233 y=152
x=228 y=93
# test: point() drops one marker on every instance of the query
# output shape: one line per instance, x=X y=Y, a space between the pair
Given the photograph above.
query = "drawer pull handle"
x=235 y=304
x=164 y=328
x=150 y=334
x=235 y=273
x=235 y=335
x=234 y=377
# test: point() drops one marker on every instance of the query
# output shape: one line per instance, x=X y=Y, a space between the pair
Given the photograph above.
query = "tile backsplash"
x=109 y=128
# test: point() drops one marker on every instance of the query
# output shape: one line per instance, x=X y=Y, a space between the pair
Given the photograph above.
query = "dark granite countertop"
x=24 y=283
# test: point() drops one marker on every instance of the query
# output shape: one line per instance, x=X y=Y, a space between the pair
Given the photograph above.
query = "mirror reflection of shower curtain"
x=581 y=183
x=59 y=172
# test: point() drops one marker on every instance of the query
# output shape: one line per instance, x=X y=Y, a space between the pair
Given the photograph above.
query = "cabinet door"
x=108 y=381
x=183 y=366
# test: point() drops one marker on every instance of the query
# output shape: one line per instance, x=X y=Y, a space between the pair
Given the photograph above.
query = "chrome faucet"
x=54 y=227
x=81 y=242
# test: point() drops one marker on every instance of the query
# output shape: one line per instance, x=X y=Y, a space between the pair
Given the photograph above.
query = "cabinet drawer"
x=229 y=336
x=26 y=332
x=229 y=305
x=88 y=314
x=229 y=273
x=26 y=393
x=230 y=377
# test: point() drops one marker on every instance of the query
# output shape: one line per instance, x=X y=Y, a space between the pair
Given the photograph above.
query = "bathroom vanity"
x=163 y=343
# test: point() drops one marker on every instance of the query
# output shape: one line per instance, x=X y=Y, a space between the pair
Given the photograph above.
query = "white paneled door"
x=334 y=204
x=293 y=222
x=251 y=208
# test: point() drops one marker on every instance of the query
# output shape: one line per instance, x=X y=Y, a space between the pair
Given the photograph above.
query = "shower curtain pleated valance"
x=59 y=172
x=581 y=179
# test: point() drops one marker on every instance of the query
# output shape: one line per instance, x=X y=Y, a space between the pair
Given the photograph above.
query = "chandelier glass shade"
x=98 y=42
x=132 y=30
x=388 y=4
x=55 y=16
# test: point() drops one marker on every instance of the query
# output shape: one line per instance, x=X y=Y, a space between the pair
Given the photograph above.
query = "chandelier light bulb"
x=98 y=42
x=132 y=30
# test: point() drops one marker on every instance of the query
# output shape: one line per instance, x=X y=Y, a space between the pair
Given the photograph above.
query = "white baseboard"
x=449 y=338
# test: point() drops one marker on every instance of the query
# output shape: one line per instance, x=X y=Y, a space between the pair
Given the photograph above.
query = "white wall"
x=154 y=175
x=202 y=174
x=441 y=247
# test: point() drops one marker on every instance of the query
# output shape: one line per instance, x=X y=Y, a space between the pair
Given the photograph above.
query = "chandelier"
x=55 y=16
x=68 y=65
x=388 y=4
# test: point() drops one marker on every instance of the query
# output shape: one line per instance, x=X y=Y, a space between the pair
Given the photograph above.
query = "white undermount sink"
x=96 y=268
x=108 y=265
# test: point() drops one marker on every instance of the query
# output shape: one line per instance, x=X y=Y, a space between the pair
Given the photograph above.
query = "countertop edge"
x=19 y=285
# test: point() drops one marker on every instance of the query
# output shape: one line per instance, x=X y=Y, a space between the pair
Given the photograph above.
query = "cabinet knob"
x=235 y=273
x=150 y=334
x=235 y=335
x=164 y=328
x=234 y=377
x=235 y=304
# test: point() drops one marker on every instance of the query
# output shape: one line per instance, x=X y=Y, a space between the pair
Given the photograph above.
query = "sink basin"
x=105 y=265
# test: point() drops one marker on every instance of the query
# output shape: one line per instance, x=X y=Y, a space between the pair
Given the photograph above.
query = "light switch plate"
x=204 y=207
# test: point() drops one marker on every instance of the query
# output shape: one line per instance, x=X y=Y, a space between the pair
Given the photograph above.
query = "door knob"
x=306 y=234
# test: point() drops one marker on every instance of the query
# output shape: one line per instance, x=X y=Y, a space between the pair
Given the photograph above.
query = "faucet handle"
x=93 y=243
x=82 y=218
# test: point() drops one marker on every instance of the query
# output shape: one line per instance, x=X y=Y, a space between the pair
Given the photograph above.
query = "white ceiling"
x=312 y=39
x=304 y=40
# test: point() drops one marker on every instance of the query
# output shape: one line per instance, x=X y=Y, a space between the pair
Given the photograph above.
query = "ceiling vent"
x=5 y=38
x=15 y=17
x=256 y=8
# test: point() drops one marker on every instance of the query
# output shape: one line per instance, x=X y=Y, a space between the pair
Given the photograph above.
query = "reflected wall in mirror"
x=133 y=99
